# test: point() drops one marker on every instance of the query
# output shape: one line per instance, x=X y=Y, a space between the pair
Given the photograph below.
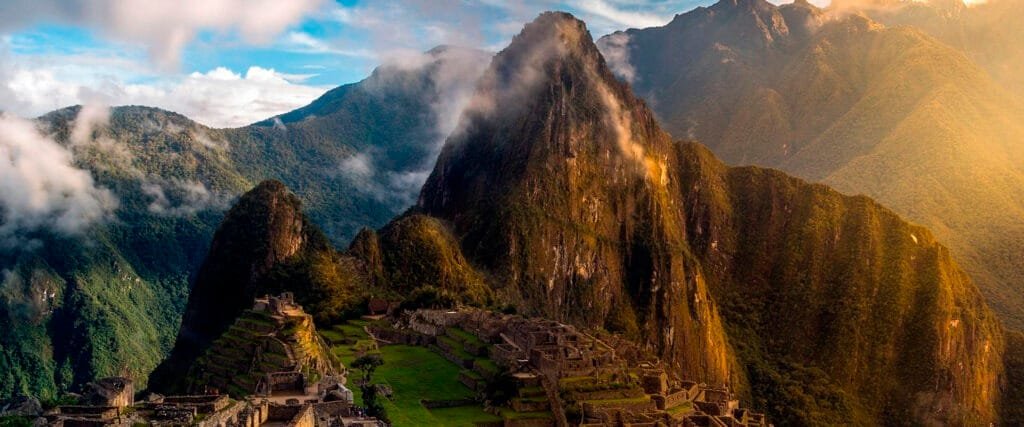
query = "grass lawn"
x=352 y=332
x=456 y=347
x=487 y=365
x=462 y=416
x=464 y=336
x=513 y=415
x=415 y=374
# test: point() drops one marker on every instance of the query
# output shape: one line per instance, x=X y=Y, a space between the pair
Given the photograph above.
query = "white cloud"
x=222 y=98
x=358 y=166
x=165 y=27
x=620 y=16
x=444 y=77
x=31 y=86
x=90 y=118
x=615 y=49
x=182 y=198
x=41 y=189
x=301 y=42
x=417 y=25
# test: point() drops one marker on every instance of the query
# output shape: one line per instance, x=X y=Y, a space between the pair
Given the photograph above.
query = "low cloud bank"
x=41 y=188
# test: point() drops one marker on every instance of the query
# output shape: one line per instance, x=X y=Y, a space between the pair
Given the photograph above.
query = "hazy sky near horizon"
x=228 y=63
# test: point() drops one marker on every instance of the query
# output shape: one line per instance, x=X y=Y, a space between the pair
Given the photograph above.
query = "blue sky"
x=230 y=62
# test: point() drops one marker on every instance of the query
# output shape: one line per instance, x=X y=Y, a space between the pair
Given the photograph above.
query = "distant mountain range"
x=835 y=97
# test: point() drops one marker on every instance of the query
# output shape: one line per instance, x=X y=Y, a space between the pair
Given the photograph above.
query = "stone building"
x=117 y=392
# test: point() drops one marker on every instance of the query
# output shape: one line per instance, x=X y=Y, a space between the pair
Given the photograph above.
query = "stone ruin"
x=279 y=305
x=273 y=361
x=272 y=351
x=117 y=392
x=211 y=411
x=605 y=379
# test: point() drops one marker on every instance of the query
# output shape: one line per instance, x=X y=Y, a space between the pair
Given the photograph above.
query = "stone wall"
x=530 y=422
x=305 y=418
x=227 y=416
x=472 y=383
x=606 y=394
x=524 y=405
x=332 y=409
x=203 y=404
x=401 y=336
x=292 y=415
x=677 y=398
x=638 y=407
x=283 y=381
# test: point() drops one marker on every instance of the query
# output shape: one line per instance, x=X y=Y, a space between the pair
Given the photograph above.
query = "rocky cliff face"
x=560 y=185
x=562 y=188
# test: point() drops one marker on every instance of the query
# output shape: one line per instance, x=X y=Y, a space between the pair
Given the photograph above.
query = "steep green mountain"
x=824 y=309
x=265 y=245
x=416 y=253
x=840 y=99
x=107 y=303
x=110 y=302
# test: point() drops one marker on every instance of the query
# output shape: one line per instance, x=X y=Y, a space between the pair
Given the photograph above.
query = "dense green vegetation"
x=109 y=302
x=417 y=259
x=819 y=308
x=265 y=245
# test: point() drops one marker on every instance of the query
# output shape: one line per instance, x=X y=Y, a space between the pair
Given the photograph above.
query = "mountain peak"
x=552 y=35
x=743 y=4
x=554 y=148
x=548 y=96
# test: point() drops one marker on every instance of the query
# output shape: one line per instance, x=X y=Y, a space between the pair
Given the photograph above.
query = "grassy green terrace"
x=415 y=374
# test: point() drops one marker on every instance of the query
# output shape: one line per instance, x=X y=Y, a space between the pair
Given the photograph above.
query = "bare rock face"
x=560 y=186
x=563 y=190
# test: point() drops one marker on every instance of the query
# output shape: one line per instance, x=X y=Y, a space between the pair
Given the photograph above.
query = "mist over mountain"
x=835 y=97
x=112 y=263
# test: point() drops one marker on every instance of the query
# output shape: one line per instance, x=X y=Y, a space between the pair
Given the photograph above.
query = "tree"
x=367 y=364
